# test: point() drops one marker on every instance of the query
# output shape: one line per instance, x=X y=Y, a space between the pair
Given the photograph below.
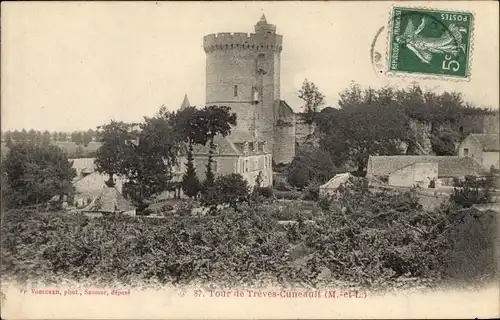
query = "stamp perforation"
x=426 y=76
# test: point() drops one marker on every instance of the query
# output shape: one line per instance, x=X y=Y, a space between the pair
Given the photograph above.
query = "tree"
x=228 y=189
x=358 y=131
x=190 y=182
x=117 y=147
x=87 y=137
x=201 y=126
x=351 y=96
x=188 y=125
x=216 y=120
x=37 y=172
x=46 y=137
x=147 y=163
x=311 y=167
x=313 y=98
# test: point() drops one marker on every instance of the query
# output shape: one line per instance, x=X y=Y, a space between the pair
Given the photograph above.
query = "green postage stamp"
x=430 y=42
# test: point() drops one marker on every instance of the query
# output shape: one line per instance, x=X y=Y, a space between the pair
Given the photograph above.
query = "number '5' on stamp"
x=430 y=42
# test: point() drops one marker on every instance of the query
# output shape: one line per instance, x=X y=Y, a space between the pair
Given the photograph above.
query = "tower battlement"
x=241 y=40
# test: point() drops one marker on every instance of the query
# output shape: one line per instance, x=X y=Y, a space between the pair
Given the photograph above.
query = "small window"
x=235 y=90
x=246 y=165
x=466 y=152
x=265 y=162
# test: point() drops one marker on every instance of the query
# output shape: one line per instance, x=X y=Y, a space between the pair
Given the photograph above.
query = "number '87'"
x=450 y=64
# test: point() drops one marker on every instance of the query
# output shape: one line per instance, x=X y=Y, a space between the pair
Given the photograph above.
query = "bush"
x=472 y=191
x=288 y=195
x=324 y=204
x=282 y=186
x=266 y=192
x=311 y=193
x=229 y=189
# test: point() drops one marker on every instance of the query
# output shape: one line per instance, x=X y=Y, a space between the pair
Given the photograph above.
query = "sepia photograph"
x=251 y=159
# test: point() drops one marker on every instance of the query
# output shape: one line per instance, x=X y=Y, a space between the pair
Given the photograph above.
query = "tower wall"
x=247 y=63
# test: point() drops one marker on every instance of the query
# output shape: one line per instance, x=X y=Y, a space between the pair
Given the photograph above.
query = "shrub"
x=324 y=203
x=266 y=192
x=288 y=195
x=472 y=191
x=311 y=193
x=229 y=189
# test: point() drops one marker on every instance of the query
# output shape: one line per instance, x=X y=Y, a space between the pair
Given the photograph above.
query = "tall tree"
x=352 y=95
x=190 y=182
x=46 y=137
x=313 y=99
x=148 y=167
x=37 y=172
x=358 y=131
x=216 y=120
x=116 y=149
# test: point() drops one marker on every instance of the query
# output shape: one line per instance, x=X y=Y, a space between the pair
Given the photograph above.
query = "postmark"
x=428 y=42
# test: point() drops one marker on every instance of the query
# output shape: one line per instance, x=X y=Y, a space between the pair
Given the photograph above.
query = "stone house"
x=485 y=148
x=409 y=171
x=237 y=153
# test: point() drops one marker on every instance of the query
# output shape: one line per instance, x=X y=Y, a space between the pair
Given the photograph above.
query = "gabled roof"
x=185 y=103
x=284 y=110
x=489 y=142
x=228 y=146
x=448 y=166
x=111 y=200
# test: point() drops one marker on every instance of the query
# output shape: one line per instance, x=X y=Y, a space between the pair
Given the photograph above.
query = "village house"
x=422 y=171
x=89 y=183
x=485 y=148
x=110 y=201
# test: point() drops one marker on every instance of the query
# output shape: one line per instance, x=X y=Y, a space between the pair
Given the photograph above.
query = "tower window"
x=235 y=91
x=466 y=152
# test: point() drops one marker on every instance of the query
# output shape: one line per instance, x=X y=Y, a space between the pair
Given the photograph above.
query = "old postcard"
x=235 y=160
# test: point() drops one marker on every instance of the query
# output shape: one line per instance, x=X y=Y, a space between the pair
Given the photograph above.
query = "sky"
x=75 y=65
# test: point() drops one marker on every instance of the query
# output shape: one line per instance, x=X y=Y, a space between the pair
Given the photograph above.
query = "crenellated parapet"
x=242 y=41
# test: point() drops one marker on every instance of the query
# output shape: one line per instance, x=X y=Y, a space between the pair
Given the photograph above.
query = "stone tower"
x=243 y=72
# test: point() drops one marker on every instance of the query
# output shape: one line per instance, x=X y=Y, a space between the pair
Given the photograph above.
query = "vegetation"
x=311 y=167
x=474 y=190
x=230 y=189
x=378 y=122
x=313 y=99
x=369 y=240
x=33 y=174
x=36 y=136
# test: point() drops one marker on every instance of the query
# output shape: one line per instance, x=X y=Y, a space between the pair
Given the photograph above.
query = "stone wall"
x=303 y=131
x=284 y=142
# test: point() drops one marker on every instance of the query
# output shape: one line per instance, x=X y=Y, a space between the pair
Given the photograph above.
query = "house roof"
x=336 y=181
x=284 y=110
x=489 y=142
x=85 y=165
x=228 y=145
x=185 y=103
x=448 y=166
x=111 y=200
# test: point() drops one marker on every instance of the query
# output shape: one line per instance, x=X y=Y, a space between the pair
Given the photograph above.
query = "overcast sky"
x=71 y=66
